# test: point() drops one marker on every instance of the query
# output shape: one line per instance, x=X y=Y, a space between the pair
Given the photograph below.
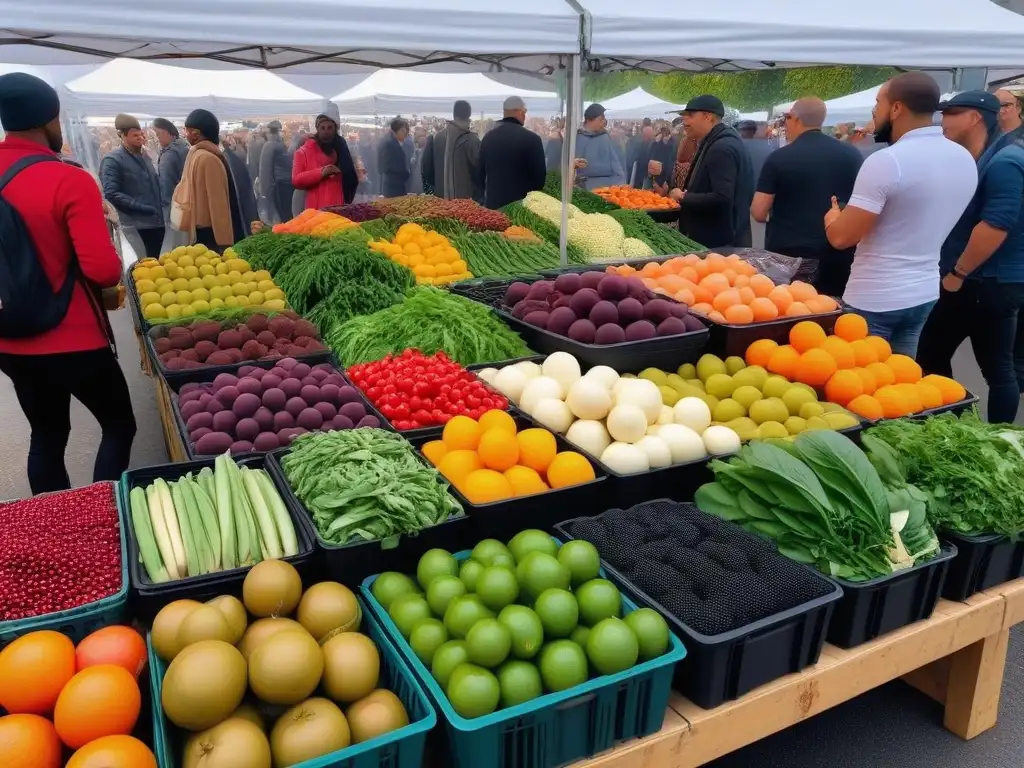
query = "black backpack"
x=28 y=304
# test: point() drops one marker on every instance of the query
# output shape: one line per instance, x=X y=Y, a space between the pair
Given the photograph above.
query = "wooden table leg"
x=975 y=682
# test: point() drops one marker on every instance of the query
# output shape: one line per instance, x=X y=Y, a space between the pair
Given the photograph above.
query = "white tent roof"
x=852 y=108
x=749 y=34
x=637 y=104
x=309 y=36
x=403 y=91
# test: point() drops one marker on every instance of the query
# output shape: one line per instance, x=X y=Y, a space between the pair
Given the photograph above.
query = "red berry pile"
x=59 y=551
x=413 y=390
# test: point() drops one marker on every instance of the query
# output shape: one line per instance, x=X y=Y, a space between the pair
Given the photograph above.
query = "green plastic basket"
x=78 y=622
x=557 y=728
x=399 y=749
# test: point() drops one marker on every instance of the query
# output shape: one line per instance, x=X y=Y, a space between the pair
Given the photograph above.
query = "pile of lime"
x=514 y=622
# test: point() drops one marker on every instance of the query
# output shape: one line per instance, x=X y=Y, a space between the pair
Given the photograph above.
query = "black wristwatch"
x=957 y=273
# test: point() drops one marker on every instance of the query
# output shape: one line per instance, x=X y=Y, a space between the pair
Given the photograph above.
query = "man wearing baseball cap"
x=982 y=259
x=323 y=166
x=719 y=186
x=597 y=159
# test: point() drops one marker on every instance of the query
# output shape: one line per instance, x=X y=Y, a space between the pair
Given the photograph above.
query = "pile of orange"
x=855 y=370
x=490 y=460
x=626 y=196
x=726 y=289
x=86 y=699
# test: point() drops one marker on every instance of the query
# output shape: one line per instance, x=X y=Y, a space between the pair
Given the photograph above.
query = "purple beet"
x=327 y=410
x=657 y=310
x=295 y=406
x=225 y=421
x=348 y=394
x=354 y=411
x=516 y=293
x=604 y=313
x=630 y=310
x=369 y=421
x=583 y=301
x=582 y=331
x=612 y=288
x=671 y=326
x=342 y=422
x=250 y=385
x=311 y=394
x=560 y=319
x=270 y=380
x=265 y=418
x=196 y=435
x=266 y=441
x=591 y=279
x=301 y=370
x=568 y=283
x=283 y=420
x=640 y=330
x=291 y=387
x=610 y=334
x=247 y=429
x=224 y=380
x=329 y=393
x=310 y=419
x=240 y=446
x=275 y=399
x=246 y=405
x=227 y=395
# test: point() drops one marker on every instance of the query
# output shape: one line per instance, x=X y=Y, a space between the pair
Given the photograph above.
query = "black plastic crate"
x=489 y=290
x=982 y=561
x=351 y=563
x=148 y=598
x=504 y=519
x=870 y=609
x=724 y=666
x=205 y=375
x=727 y=339
x=955 y=408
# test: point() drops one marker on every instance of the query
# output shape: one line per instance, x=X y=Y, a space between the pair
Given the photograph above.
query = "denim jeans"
x=900 y=327
x=985 y=311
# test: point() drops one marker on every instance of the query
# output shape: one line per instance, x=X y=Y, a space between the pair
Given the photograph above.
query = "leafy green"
x=491 y=254
x=522 y=216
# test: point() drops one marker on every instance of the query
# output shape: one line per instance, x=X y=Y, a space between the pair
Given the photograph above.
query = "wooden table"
x=956 y=657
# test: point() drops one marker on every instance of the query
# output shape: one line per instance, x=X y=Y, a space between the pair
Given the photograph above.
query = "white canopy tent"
x=637 y=104
x=398 y=91
x=748 y=34
x=852 y=108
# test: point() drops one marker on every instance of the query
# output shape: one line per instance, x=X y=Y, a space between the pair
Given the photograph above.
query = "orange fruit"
x=806 y=335
x=455 y=465
x=760 y=352
x=435 y=450
x=726 y=299
x=761 y=285
x=781 y=297
x=863 y=352
x=702 y=308
x=495 y=419
x=113 y=752
x=33 y=671
x=716 y=317
x=851 y=327
x=702 y=269
x=498 y=449
x=461 y=433
x=843 y=387
x=715 y=283
x=746 y=295
x=29 y=741
x=881 y=347
x=819 y=305
x=98 y=701
x=738 y=314
x=840 y=351
x=537 y=447
x=525 y=481
x=688 y=273
x=569 y=468
x=730 y=275
x=912 y=395
x=931 y=396
x=906 y=369
x=741 y=281
x=763 y=309
x=485 y=486
x=797 y=308
x=801 y=291
x=783 y=361
x=815 y=367
x=867 y=379
x=883 y=374
x=894 y=404
x=952 y=390
x=122 y=646
x=685 y=295
x=716 y=262
x=867 y=407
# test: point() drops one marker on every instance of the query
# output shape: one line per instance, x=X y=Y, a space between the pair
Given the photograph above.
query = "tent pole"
x=572 y=105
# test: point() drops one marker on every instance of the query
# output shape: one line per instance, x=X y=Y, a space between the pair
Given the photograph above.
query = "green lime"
x=488 y=642
x=473 y=691
x=406 y=610
x=492 y=552
x=651 y=632
x=519 y=681
x=532 y=540
x=497 y=586
x=469 y=573
x=539 y=571
x=442 y=591
x=526 y=629
x=446 y=658
x=426 y=637
x=558 y=612
x=598 y=599
x=563 y=665
x=390 y=585
x=579 y=635
x=612 y=646
x=463 y=612
x=434 y=563
x=582 y=560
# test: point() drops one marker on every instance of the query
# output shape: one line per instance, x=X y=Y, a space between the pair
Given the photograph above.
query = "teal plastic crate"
x=399 y=749
x=558 y=728
x=78 y=622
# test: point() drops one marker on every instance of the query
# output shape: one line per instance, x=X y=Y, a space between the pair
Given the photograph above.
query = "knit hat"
x=124 y=123
x=321 y=118
x=205 y=122
x=26 y=102
x=164 y=124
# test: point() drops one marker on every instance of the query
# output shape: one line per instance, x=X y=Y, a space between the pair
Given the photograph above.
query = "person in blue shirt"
x=982 y=259
x=597 y=160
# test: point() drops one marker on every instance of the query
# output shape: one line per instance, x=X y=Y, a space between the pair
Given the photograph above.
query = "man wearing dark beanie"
x=169 y=166
x=204 y=203
x=451 y=162
x=131 y=185
x=62 y=212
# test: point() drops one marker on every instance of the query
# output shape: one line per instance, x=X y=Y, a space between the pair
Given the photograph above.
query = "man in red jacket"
x=323 y=167
x=63 y=212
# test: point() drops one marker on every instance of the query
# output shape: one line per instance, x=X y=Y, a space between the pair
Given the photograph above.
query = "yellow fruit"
x=239 y=289
x=165 y=288
x=525 y=481
x=173 y=311
x=216 y=303
x=209 y=281
x=222 y=268
x=231 y=301
x=461 y=433
x=194 y=282
x=243 y=300
x=265 y=285
x=184 y=297
x=169 y=298
x=161 y=281
x=240 y=265
x=157 y=271
x=443 y=270
x=154 y=311
x=569 y=468
x=435 y=450
x=485 y=486
x=185 y=261
x=150 y=297
x=200 y=294
x=456 y=465
x=141 y=273
x=459 y=267
x=202 y=261
x=180 y=284
x=537 y=448
x=250 y=287
x=190 y=272
x=495 y=419
x=200 y=306
x=145 y=286
x=498 y=449
x=274 y=304
x=261 y=274
x=256 y=298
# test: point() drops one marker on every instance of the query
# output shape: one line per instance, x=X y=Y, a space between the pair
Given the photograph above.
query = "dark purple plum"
x=275 y=399
x=640 y=330
x=265 y=418
x=354 y=411
x=583 y=301
x=291 y=387
x=671 y=326
x=582 y=331
x=568 y=283
x=310 y=419
x=369 y=421
x=591 y=279
x=630 y=310
x=610 y=334
x=538 y=318
x=348 y=394
x=225 y=421
x=327 y=410
x=247 y=429
x=295 y=406
x=310 y=393
x=266 y=441
x=283 y=420
x=329 y=393
x=342 y=422
x=560 y=319
x=604 y=313
x=657 y=310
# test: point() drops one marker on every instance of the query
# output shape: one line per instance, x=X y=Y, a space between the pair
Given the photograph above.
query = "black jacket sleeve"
x=110 y=178
x=349 y=177
x=537 y=170
x=722 y=166
x=427 y=165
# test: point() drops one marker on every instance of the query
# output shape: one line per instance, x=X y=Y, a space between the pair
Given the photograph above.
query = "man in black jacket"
x=392 y=161
x=719 y=187
x=511 y=158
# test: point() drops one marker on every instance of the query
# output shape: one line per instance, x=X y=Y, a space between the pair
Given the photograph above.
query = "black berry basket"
x=982 y=561
x=747 y=614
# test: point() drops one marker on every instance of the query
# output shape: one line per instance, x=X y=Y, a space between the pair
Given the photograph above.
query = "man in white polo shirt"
x=905 y=201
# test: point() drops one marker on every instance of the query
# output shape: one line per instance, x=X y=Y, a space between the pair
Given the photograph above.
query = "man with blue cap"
x=982 y=259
